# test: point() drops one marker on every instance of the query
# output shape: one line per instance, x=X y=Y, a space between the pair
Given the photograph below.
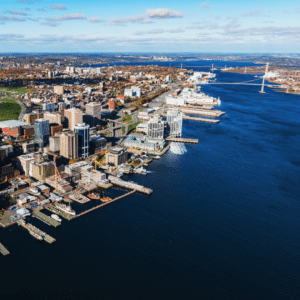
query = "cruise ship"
x=66 y=209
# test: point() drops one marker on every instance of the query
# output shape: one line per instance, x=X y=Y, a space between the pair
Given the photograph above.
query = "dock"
x=201 y=119
x=46 y=219
x=34 y=229
x=129 y=185
x=182 y=140
x=77 y=197
x=60 y=213
x=3 y=250
x=103 y=204
x=203 y=112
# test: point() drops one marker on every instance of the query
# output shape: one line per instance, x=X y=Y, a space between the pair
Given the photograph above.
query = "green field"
x=13 y=90
x=9 y=110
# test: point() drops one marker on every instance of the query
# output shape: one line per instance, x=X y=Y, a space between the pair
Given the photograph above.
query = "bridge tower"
x=262 y=91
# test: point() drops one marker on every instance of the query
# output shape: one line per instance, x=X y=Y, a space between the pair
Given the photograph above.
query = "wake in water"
x=177 y=148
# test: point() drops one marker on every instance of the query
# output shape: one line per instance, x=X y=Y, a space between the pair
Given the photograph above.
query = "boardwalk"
x=103 y=204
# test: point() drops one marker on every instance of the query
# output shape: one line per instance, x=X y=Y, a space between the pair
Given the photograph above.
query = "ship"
x=66 y=209
x=56 y=218
x=36 y=236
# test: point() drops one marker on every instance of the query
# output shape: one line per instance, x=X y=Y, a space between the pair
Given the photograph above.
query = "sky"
x=149 y=26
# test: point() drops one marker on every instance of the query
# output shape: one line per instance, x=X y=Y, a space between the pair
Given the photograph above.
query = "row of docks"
x=182 y=140
x=103 y=204
x=3 y=250
x=129 y=185
x=46 y=219
x=37 y=231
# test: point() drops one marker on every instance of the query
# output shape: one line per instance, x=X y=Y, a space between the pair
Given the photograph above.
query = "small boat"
x=157 y=157
x=119 y=175
x=56 y=217
x=105 y=199
x=35 y=235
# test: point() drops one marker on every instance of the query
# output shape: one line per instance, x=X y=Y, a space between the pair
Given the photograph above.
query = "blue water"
x=223 y=221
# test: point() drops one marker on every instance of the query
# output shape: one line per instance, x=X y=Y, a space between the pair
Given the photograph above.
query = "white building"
x=156 y=128
x=134 y=92
x=174 y=119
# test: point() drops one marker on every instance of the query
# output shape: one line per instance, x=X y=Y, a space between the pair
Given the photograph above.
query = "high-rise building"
x=112 y=104
x=83 y=132
x=69 y=145
x=53 y=118
x=61 y=105
x=174 y=119
x=49 y=106
x=94 y=109
x=54 y=143
x=42 y=131
x=74 y=117
x=59 y=89
x=134 y=92
x=156 y=128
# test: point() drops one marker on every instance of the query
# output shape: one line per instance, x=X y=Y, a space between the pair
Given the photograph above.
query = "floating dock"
x=182 y=140
x=103 y=204
x=129 y=185
x=3 y=250
x=46 y=219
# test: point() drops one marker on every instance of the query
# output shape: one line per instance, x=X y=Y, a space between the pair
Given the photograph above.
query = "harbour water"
x=223 y=221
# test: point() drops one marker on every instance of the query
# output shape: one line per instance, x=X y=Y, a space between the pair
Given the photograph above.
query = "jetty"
x=129 y=185
x=103 y=204
x=46 y=219
x=37 y=231
x=203 y=112
x=201 y=119
x=182 y=140
x=3 y=250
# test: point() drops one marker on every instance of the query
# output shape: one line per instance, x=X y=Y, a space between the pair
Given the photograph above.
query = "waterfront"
x=222 y=223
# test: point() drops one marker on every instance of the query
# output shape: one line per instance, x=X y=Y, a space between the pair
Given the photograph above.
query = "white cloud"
x=163 y=13
x=205 y=5
x=4 y=19
x=253 y=13
x=96 y=20
x=141 y=19
x=153 y=31
x=16 y=12
x=58 y=7
x=67 y=17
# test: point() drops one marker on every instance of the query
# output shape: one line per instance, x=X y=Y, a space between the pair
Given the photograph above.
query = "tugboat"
x=65 y=209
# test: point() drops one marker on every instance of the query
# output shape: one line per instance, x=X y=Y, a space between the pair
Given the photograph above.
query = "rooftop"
x=12 y=123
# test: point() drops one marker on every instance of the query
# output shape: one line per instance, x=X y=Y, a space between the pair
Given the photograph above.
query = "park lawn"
x=14 y=90
x=10 y=110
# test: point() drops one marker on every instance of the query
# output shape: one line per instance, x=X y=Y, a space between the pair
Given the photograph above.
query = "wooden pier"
x=34 y=229
x=60 y=213
x=103 y=204
x=3 y=250
x=46 y=219
x=182 y=140
x=212 y=113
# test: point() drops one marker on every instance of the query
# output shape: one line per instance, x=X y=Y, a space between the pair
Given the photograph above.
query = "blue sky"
x=149 y=26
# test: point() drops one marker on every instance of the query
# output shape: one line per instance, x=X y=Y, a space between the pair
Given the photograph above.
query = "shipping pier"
x=3 y=250
x=129 y=185
x=201 y=119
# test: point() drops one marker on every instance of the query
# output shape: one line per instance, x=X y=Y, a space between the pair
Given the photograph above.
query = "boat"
x=105 y=199
x=157 y=157
x=120 y=175
x=56 y=218
x=66 y=209
x=141 y=170
x=35 y=235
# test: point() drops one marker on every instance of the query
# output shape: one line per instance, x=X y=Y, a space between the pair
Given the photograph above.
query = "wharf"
x=182 y=140
x=3 y=250
x=77 y=197
x=201 y=119
x=129 y=185
x=60 y=213
x=159 y=153
x=34 y=229
x=212 y=113
x=103 y=204
x=46 y=219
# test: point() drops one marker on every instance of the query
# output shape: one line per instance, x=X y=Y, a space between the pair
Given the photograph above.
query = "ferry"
x=56 y=217
x=65 y=209
x=35 y=235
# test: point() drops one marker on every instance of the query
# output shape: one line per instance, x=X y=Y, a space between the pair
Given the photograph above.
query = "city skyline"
x=171 y=26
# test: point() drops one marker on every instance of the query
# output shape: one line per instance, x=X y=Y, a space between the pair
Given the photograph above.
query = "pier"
x=203 y=112
x=34 y=229
x=182 y=140
x=129 y=185
x=103 y=204
x=60 y=213
x=46 y=219
x=201 y=119
x=3 y=250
